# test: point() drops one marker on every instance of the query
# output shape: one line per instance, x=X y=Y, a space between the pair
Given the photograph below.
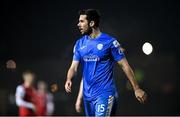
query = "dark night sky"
x=43 y=29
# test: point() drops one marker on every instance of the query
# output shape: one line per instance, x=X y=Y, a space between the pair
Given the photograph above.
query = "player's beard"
x=88 y=31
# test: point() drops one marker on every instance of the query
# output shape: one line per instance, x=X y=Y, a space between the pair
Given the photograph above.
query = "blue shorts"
x=102 y=106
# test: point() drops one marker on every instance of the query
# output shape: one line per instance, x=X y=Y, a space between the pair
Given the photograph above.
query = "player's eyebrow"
x=81 y=20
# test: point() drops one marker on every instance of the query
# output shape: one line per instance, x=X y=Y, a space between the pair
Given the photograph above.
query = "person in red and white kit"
x=44 y=100
x=25 y=95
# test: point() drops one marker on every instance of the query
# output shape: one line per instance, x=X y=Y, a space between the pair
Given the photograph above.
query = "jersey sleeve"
x=20 y=92
x=76 y=56
x=50 y=104
x=116 y=52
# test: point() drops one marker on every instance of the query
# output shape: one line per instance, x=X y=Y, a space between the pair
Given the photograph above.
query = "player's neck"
x=27 y=84
x=95 y=33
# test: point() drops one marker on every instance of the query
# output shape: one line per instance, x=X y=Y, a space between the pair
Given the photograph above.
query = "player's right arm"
x=73 y=68
x=20 y=92
x=71 y=73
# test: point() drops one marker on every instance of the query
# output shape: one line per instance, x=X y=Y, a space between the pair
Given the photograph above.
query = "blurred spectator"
x=25 y=94
x=44 y=100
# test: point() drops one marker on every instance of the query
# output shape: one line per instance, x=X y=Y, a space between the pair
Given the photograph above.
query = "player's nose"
x=78 y=24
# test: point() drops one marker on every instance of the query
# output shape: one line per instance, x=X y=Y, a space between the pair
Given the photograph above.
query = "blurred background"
x=40 y=35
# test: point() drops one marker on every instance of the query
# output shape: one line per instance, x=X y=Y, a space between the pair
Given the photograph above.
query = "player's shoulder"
x=20 y=88
x=80 y=40
x=108 y=37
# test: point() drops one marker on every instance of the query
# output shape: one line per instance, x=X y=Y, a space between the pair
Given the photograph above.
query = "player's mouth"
x=81 y=30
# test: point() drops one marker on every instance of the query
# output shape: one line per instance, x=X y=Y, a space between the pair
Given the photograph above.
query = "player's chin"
x=82 y=32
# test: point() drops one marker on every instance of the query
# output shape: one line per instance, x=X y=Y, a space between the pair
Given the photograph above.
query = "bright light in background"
x=147 y=48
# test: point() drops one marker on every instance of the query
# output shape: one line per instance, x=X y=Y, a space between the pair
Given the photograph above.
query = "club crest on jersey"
x=116 y=43
x=99 y=46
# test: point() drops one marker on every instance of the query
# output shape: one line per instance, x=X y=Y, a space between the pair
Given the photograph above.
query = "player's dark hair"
x=92 y=15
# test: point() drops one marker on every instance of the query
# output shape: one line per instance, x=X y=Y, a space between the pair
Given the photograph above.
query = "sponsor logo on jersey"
x=91 y=58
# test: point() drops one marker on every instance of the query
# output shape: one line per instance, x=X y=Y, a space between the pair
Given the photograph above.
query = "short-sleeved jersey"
x=25 y=99
x=41 y=104
x=97 y=57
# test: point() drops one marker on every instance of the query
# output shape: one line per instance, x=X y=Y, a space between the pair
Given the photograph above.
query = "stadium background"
x=39 y=35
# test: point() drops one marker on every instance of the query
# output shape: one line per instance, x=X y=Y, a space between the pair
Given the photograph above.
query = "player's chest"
x=29 y=94
x=92 y=50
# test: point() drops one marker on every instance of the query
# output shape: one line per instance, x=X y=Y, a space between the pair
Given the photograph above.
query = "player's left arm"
x=79 y=98
x=139 y=93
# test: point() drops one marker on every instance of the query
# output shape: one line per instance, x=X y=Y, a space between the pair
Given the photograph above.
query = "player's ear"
x=92 y=23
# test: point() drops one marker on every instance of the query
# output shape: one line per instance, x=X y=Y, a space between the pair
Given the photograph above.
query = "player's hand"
x=141 y=95
x=68 y=85
x=33 y=107
x=78 y=105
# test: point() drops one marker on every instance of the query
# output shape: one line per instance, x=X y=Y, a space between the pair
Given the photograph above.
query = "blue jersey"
x=97 y=57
